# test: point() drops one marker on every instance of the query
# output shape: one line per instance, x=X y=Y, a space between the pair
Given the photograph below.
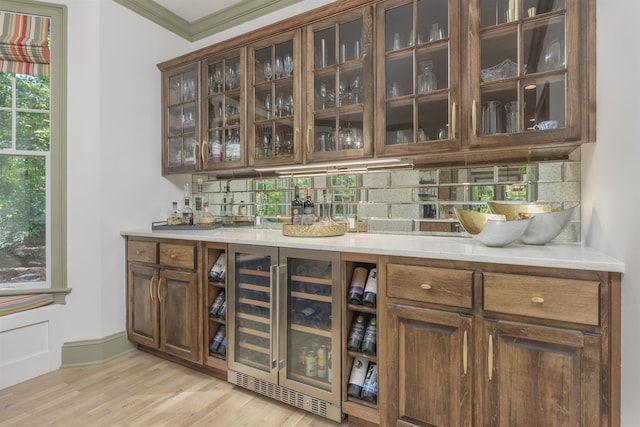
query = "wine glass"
x=290 y=104
x=268 y=72
x=356 y=87
x=217 y=79
x=279 y=105
x=288 y=64
x=267 y=105
x=279 y=68
x=266 y=144
x=323 y=94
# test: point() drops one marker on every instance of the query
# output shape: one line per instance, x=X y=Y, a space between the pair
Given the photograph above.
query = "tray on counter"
x=162 y=225
x=317 y=230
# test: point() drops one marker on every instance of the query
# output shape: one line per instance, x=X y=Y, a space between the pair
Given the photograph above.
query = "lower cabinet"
x=163 y=310
x=531 y=347
x=429 y=375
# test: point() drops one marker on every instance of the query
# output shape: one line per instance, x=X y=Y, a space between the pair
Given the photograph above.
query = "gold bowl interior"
x=518 y=210
x=491 y=229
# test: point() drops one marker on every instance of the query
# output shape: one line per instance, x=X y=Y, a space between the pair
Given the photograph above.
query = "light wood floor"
x=140 y=389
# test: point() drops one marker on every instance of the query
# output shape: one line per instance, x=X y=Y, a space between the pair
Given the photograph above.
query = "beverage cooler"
x=284 y=325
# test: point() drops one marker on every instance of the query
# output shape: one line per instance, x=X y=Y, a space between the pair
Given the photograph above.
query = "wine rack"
x=356 y=407
x=213 y=324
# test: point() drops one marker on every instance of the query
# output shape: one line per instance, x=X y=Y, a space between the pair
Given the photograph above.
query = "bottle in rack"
x=370 y=387
x=356 y=288
x=308 y=210
x=356 y=335
x=369 y=340
x=217 y=304
x=357 y=377
x=217 y=339
x=217 y=273
x=371 y=288
x=296 y=207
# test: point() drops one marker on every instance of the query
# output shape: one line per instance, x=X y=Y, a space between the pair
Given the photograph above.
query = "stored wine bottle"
x=296 y=207
x=369 y=340
x=222 y=313
x=222 y=350
x=371 y=288
x=216 y=274
x=357 y=377
x=217 y=303
x=356 y=288
x=356 y=335
x=217 y=339
x=308 y=210
x=370 y=387
x=304 y=316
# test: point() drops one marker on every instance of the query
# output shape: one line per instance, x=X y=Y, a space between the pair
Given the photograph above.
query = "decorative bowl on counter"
x=491 y=229
x=547 y=222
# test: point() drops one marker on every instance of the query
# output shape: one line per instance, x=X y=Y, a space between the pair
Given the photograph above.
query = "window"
x=33 y=162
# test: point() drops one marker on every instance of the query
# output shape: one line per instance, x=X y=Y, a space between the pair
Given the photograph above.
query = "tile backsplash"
x=404 y=201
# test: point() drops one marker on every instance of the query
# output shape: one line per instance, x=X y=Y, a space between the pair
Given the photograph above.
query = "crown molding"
x=208 y=25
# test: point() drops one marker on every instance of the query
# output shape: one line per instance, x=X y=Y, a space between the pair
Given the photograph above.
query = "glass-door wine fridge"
x=284 y=325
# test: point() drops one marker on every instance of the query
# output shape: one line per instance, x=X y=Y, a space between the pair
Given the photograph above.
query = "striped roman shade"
x=24 y=44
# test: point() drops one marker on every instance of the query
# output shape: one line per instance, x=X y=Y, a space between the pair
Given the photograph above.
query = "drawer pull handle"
x=425 y=286
x=537 y=300
x=139 y=252
x=173 y=256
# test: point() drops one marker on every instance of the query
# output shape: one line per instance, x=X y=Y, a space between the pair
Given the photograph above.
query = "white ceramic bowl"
x=490 y=229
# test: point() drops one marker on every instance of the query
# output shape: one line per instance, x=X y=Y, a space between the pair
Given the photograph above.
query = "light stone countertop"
x=555 y=255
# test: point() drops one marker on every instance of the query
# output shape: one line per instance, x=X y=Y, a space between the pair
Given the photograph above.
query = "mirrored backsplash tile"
x=406 y=201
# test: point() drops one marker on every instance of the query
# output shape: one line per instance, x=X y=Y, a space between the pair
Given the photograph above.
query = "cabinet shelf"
x=362 y=308
x=310 y=381
x=369 y=357
x=310 y=330
x=314 y=297
x=218 y=320
x=254 y=347
x=221 y=285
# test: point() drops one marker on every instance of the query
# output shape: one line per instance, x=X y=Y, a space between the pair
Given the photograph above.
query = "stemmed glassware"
x=288 y=64
x=267 y=105
x=217 y=79
x=356 y=87
x=279 y=68
x=268 y=72
x=323 y=95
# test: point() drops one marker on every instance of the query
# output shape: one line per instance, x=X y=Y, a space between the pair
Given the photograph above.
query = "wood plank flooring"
x=139 y=389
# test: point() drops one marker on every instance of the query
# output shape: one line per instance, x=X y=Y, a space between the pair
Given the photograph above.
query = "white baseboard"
x=30 y=344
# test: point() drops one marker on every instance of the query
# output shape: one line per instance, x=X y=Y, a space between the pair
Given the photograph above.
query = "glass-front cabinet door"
x=310 y=332
x=181 y=141
x=252 y=324
x=524 y=70
x=224 y=145
x=418 y=72
x=339 y=89
x=275 y=100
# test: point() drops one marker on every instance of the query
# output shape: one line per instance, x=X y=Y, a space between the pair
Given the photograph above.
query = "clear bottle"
x=187 y=213
x=206 y=218
x=198 y=202
x=175 y=215
x=296 y=207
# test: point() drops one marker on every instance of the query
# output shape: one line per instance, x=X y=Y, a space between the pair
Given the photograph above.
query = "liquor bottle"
x=308 y=210
x=356 y=335
x=216 y=148
x=206 y=218
x=217 y=303
x=356 y=288
x=217 y=339
x=371 y=288
x=296 y=207
x=369 y=340
x=357 y=377
x=217 y=272
x=370 y=387
x=198 y=202
x=175 y=215
x=187 y=213
x=227 y=201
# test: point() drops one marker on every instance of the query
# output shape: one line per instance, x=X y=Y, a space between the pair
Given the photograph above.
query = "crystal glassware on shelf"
x=356 y=87
x=322 y=95
x=279 y=67
x=268 y=72
x=288 y=64
x=267 y=105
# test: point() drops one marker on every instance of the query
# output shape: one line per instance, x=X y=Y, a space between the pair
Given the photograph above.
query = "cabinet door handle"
x=474 y=117
x=151 y=288
x=196 y=148
x=160 y=292
x=425 y=286
x=537 y=300
x=454 y=116
x=309 y=150
x=490 y=357
x=203 y=152
x=464 y=353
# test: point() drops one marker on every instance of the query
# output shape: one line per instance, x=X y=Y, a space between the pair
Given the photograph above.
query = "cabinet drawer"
x=182 y=256
x=428 y=284
x=141 y=251
x=566 y=300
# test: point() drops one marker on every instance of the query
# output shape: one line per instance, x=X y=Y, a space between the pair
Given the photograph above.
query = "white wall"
x=114 y=159
x=610 y=174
